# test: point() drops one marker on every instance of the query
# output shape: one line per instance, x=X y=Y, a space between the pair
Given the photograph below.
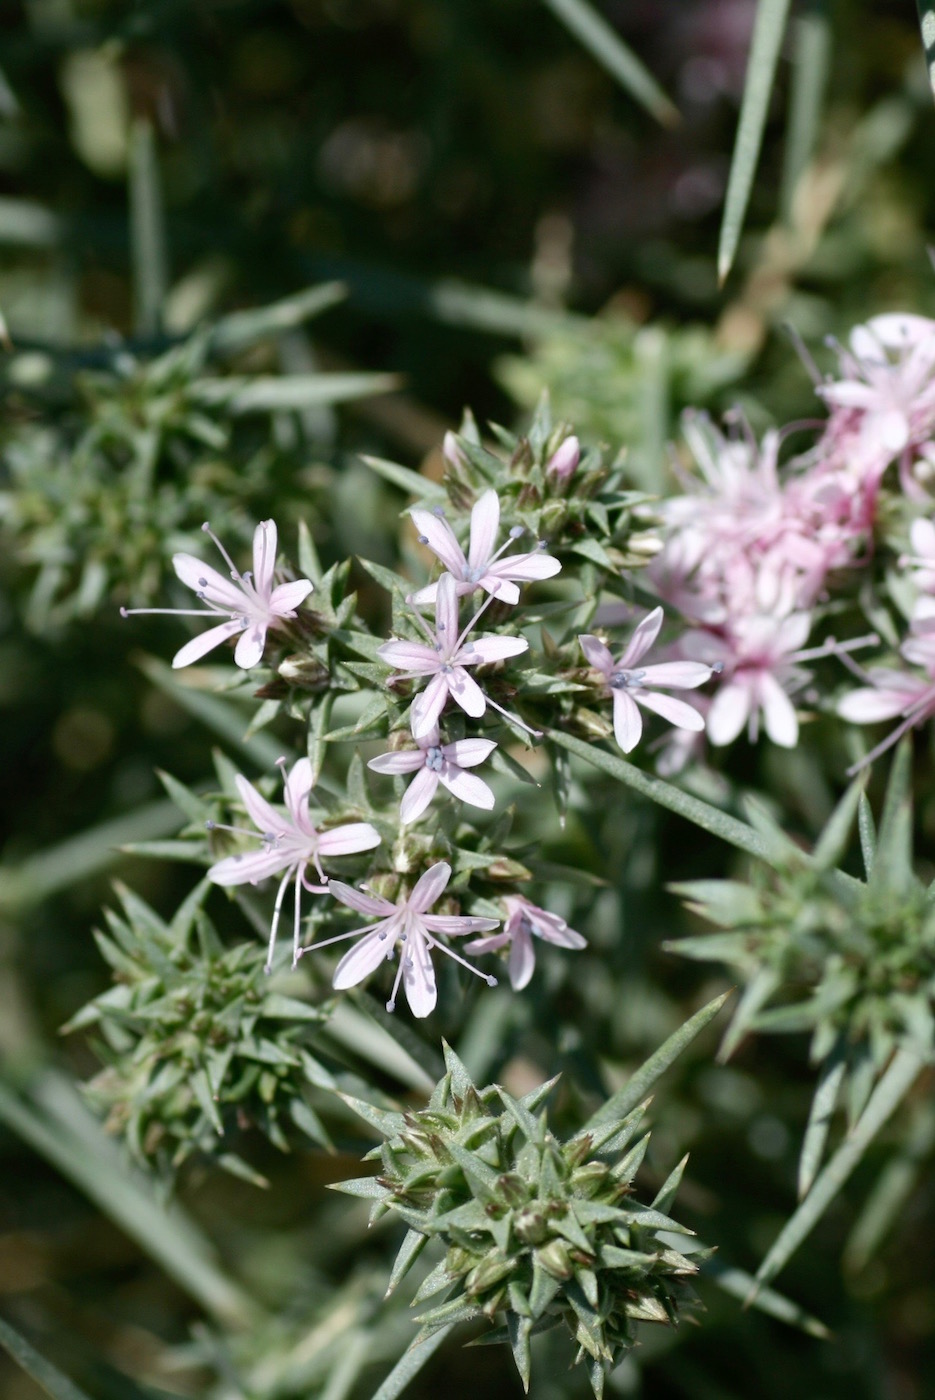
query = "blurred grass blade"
x=639 y=1084
x=227 y=720
x=737 y=1283
x=48 y=1377
x=927 y=22
x=605 y=44
x=148 y=253
x=710 y=819
x=410 y=1364
x=768 y=31
x=27 y=223
x=275 y=393
x=890 y=1091
x=241 y=329
x=87 y=854
x=887 y=1201
x=354 y=1030
x=819 y=1118
x=811 y=65
x=70 y=1138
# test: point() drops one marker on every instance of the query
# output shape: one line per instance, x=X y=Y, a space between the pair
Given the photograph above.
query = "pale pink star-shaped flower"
x=632 y=685
x=759 y=655
x=890 y=693
x=524 y=922
x=290 y=844
x=408 y=926
x=249 y=601
x=483 y=566
x=434 y=762
x=444 y=659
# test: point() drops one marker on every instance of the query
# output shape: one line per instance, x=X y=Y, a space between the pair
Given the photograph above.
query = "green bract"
x=198 y=1042
x=537 y=1232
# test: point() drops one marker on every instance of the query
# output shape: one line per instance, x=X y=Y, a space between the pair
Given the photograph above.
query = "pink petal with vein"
x=729 y=712
x=465 y=692
x=467 y=787
x=596 y=654
x=264 y=555
x=200 y=646
x=440 y=539
x=485 y=522
x=628 y=724
x=677 y=712
x=217 y=589
x=249 y=649
x=374 y=906
x=418 y=976
x=642 y=639
x=417 y=796
x=429 y=887
x=365 y=957
x=287 y=597
x=346 y=840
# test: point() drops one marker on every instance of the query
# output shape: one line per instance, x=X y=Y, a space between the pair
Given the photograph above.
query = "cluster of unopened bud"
x=538 y=1232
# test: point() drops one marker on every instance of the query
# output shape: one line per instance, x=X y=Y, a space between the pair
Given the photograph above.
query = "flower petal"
x=296 y=788
x=643 y=637
x=264 y=816
x=729 y=712
x=677 y=712
x=779 y=717
x=200 y=646
x=522 y=960
x=208 y=583
x=249 y=649
x=489 y=648
x=418 y=975
x=628 y=723
x=526 y=567
x=456 y=925
x=440 y=539
x=500 y=588
x=676 y=675
x=429 y=887
x=417 y=796
x=467 y=787
x=286 y=598
x=597 y=654
x=398 y=761
x=374 y=906
x=265 y=540
x=409 y=656
x=358 y=962
x=426 y=707
x=485 y=522
x=250 y=868
x=465 y=691
x=467 y=753
x=868 y=705
x=348 y=839
x=446 y=612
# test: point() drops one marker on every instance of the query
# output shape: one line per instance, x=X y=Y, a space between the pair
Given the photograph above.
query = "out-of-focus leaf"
x=46 y=1375
x=768 y=31
x=605 y=44
x=241 y=329
x=272 y=394
x=889 y=1093
x=811 y=65
x=150 y=257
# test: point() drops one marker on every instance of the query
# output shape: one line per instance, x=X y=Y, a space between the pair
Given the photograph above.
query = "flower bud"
x=564 y=462
x=489 y=1271
x=553 y=1257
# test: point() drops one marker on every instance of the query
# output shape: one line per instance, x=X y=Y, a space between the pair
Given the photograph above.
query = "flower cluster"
x=538 y=1233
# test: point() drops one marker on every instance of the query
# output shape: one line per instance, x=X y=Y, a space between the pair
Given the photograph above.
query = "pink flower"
x=629 y=683
x=434 y=763
x=758 y=654
x=249 y=601
x=290 y=844
x=888 y=388
x=890 y=693
x=524 y=922
x=444 y=660
x=408 y=925
x=483 y=566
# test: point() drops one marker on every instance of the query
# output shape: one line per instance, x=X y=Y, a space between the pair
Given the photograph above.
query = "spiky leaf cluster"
x=197 y=1043
x=591 y=517
x=138 y=448
x=538 y=1232
x=850 y=961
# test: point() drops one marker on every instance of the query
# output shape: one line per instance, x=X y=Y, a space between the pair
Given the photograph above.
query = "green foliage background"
x=503 y=218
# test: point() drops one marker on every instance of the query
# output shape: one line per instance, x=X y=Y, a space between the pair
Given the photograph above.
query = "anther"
x=516 y=531
x=423 y=539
